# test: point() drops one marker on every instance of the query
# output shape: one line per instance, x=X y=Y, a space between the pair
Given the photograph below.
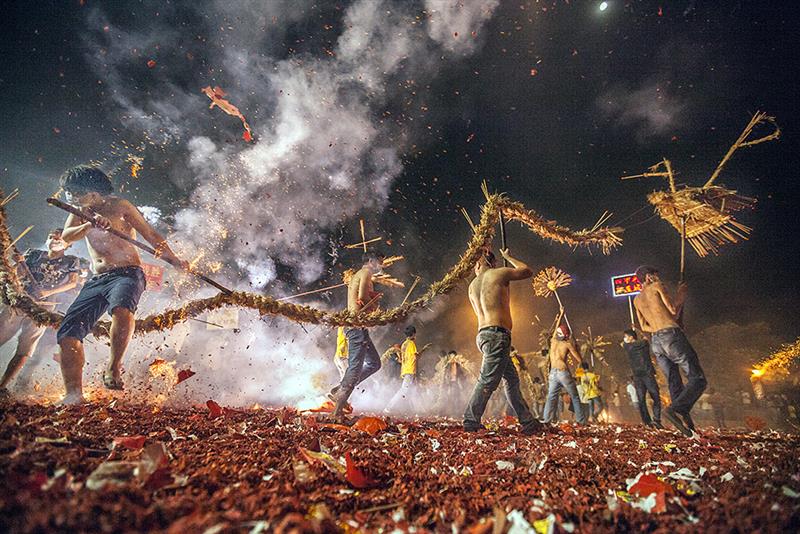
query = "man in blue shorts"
x=118 y=281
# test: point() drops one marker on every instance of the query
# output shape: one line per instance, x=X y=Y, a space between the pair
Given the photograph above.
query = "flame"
x=757 y=373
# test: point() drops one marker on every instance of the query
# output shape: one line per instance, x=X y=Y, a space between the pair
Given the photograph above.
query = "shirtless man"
x=562 y=349
x=45 y=273
x=658 y=315
x=489 y=296
x=362 y=357
x=118 y=280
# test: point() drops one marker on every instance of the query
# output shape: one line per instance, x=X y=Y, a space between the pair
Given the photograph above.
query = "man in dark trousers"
x=658 y=315
x=644 y=376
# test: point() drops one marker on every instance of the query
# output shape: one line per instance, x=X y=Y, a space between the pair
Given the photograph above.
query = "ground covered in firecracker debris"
x=109 y=467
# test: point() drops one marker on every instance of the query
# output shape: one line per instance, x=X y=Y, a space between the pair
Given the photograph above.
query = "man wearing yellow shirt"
x=340 y=358
x=591 y=391
x=408 y=370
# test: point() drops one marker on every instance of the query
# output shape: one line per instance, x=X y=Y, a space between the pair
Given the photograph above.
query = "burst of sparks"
x=779 y=361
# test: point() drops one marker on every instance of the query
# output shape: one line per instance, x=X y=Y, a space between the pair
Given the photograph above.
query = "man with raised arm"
x=490 y=299
x=118 y=280
x=45 y=273
x=362 y=357
x=562 y=349
x=658 y=315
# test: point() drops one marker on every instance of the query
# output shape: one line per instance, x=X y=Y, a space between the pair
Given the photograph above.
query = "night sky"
x=554 y=103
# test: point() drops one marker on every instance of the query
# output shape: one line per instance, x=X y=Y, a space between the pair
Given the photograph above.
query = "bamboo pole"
x=89 y=218
x=20 y=236
x=416 y=281
x=742 y=141
x=320 y=290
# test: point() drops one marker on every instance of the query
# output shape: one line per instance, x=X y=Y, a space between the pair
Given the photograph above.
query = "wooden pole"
x=20 y=236
x=363 y=234
x=560 y=305
x=630 y=307
x=503 y=236
x=81 y=215
x=416 y=281
x=683 y=246
x=320 y=290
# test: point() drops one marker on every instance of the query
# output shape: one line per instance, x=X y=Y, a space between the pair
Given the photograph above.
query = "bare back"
x=108 y=251
x=356 y=290
x=489 y=296
x=654 y=308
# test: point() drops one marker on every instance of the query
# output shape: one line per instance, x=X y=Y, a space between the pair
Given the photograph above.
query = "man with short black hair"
x=408 y=370
x=490 y=298
x=44 y=273
x=118 y=280
x=644 y=376
x=658 y=315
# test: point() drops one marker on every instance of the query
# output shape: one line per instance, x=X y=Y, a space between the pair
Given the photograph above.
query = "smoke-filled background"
x=394 y=112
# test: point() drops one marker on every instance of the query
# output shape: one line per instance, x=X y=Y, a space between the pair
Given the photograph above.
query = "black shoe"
x=534 y=427
x=472 y=428
x=687 y=419
x=673 y=418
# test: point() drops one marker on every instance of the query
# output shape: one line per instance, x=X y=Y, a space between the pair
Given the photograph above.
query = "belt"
x=499 y=329
x=127 y=269
x=667 y=330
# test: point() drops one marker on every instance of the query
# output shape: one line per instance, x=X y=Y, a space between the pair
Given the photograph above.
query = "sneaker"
x=673 y=418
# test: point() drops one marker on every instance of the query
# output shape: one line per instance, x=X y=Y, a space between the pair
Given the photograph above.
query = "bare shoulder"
x=119 y=205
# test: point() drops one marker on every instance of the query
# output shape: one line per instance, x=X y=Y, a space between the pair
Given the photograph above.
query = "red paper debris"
x=217 y=96
x=151 y=63
x=184 y=374
x=660 y=11
x=130 y=442
x=650 y=484
x=371 y=425
x=214 y=409
x=754 y=423
x=355 y=476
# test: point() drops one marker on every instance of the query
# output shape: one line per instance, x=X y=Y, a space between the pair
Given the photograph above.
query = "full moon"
x=603 y=6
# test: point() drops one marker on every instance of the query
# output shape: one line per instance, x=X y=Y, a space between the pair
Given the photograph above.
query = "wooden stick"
x=20 y=236
x=743 y=142
x=363 y=234
x=683 y=246
x=416 y=281
x=363 y=243
x=81 y=215
x=320 y=290
x=560 y=305
x=630 y=307
x=11 y=196
x=467 y=217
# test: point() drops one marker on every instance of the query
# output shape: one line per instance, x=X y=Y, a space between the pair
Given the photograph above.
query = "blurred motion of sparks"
x=779 y=361
x=136 y=164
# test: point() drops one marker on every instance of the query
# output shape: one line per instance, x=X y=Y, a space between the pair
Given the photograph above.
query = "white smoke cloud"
x=650 y=109
x=322 y=155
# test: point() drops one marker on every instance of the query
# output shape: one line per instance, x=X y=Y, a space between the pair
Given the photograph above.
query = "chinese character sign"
x=625 y=285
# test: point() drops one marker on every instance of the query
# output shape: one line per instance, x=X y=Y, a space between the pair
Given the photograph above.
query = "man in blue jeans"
x=658 y=314
x=489 y=296
x=561 y=351
x=362 y=358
